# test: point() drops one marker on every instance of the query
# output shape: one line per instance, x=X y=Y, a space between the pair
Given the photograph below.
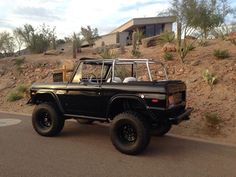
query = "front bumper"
x=184 y=116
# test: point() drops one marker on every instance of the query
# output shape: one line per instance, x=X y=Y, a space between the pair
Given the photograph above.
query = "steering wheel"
x=91 y=77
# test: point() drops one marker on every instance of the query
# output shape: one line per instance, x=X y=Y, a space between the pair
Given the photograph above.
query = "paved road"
x=86 y=150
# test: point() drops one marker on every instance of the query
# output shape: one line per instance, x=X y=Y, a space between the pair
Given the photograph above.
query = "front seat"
x=115 y=80
x=129 y=79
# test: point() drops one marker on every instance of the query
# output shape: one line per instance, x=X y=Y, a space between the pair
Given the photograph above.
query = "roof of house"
x=144 y=21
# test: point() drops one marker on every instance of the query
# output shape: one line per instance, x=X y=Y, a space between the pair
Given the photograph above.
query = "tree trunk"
x=74 y=49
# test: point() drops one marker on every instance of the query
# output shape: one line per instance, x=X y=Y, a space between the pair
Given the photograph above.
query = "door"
x=83 y=99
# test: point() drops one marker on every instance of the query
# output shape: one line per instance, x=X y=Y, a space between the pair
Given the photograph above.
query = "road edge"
x=216 y=142
x=15 y=113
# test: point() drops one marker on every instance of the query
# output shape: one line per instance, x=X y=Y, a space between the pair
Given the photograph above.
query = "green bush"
x=213 y=119
x=14 y=96
x=191 y=47
x=221 y=54
x=168 y=56
x=167 y=36
x=18 y=93
x=22 y=88
x=106 y=53
x=136 y=53
x=19 y=61
x=203 y=43
x=210 y=78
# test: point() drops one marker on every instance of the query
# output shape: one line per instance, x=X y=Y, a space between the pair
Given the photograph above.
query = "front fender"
x=45 y=96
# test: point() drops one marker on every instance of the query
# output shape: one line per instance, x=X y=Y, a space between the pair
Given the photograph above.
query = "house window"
x=150 y=30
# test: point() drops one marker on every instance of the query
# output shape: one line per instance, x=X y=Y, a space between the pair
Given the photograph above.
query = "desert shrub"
x=168 y=56
x=107 y=53
x=167 y=36
x=221 y=54
x=203 y=43
x=191 y=47
x=136 y=53
x=213 y=119
x=223 y=31
x=210 y=78
x=22 y=88
x=14 y=96
x=18 y=93
x=19 y=61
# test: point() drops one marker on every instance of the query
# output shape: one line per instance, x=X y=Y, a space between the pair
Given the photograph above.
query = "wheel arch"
x=121 y=103
x=43 y=97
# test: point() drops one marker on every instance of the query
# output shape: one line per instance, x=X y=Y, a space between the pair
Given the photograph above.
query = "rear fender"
x=115 y=100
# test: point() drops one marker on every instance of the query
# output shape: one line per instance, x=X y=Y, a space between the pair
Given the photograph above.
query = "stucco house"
x=150 y=26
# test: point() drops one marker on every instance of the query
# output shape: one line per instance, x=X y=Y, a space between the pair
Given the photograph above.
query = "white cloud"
x=69 y=15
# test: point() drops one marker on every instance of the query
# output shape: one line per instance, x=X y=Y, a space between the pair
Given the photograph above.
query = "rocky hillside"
x=214 y=114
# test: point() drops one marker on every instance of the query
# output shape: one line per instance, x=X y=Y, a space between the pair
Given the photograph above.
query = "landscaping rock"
x=169 y=47
x=150 y=41
x=6 y=83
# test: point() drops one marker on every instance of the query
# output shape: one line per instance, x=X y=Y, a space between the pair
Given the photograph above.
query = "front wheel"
x=46 y=120
x=129 y=133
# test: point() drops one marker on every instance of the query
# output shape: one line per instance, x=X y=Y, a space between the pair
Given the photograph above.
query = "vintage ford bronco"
x=133 y=95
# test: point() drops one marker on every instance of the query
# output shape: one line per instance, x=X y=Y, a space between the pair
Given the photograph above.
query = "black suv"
x=134 y=95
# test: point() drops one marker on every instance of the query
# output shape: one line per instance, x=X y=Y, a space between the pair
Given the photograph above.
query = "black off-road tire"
x=46 y=120
x=84 y=121
x=130 y=133
x=161 y=129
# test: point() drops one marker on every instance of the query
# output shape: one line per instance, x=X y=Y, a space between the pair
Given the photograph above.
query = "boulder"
x=231 y=36
x=2 y=71
x=6 y=83
x=150 y=41
x=169 y=47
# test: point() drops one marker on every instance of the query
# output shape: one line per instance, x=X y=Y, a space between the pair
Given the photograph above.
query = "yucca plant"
x=221 y=54
x=167 y=36
x=213 y=119
x=168 y=56
x=210 y=78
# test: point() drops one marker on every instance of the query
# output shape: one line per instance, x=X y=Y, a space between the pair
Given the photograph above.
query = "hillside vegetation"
x=211 y=83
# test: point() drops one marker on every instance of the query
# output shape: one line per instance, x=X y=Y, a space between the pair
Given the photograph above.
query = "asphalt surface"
x=86 y=150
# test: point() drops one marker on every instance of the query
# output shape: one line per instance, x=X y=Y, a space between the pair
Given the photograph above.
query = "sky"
x=69 y=15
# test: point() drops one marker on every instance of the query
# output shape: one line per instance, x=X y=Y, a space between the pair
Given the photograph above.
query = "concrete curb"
x=15 y=113
x=216 y=142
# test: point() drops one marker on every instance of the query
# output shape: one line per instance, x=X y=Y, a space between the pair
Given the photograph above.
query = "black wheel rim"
x=44 y=119
x=127 y=134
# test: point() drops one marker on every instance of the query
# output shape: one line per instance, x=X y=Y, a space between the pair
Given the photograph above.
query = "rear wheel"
x=129 y=133
x=46 y=120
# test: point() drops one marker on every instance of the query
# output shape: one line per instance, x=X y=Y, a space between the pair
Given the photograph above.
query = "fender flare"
x=126 y=96
x=52 y=95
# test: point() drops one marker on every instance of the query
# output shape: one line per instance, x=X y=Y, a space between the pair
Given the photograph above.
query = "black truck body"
x=104 y=97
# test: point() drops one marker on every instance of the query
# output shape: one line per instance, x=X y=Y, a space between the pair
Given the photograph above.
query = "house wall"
x=108 y=39
x=123 y=38
x=113 y=38
x=168 y=27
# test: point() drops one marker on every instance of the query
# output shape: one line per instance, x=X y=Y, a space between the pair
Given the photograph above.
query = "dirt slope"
x=221 y=99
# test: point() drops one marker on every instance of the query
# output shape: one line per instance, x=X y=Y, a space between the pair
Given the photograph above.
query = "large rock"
x=231 y=36
x=2 y=71
x=6 y=83
x=69 y=64
x=169 y=47
x=150 y=41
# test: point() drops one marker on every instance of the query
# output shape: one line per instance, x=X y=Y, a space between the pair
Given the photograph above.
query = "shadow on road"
x=159 y=146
